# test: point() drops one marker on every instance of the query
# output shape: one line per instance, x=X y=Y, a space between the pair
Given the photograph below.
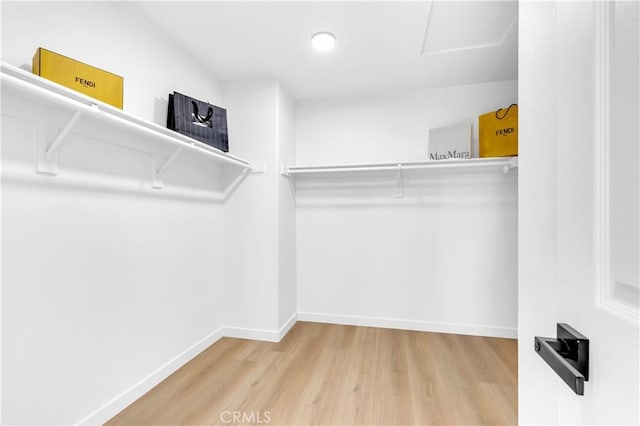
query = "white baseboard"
x=120 y=402
x=261 y=334
x=252 y=334
x=287 y=325
x=402 y=324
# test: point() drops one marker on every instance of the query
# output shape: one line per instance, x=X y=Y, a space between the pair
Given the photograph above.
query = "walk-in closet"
x=319 y=212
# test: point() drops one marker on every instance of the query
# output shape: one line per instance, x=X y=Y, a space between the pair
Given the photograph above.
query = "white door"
x=578 y=206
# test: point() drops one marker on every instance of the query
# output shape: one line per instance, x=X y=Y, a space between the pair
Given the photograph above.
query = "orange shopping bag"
x=498 y=131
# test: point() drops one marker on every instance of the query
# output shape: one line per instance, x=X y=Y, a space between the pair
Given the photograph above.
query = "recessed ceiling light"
x=323 y=42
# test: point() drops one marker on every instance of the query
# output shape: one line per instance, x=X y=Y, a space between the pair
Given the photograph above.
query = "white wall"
x=103 y=281
x=391 y=126
x=251 y=215
x=260 y=218
x=442 y=258
x=114 y=37
x=287 y=262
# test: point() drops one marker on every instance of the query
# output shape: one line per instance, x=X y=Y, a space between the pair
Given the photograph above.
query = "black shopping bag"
x=198 y=120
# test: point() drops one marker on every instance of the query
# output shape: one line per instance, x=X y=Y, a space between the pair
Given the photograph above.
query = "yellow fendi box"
x=91 y=81
x=498 y=132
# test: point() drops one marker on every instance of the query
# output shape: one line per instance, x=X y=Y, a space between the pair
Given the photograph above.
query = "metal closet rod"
x=94 y=109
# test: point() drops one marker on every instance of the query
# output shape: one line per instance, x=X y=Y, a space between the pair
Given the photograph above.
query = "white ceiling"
x=381 y=46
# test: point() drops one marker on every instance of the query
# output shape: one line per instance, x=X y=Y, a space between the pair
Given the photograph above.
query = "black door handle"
x=568 y=355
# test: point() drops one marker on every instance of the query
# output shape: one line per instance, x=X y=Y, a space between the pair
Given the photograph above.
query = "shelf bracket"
x=157 y=173
x=47 y=161
x=399 y=183
x=237 y=181
x=284 y=171
x=292 y=185
x=60 y=138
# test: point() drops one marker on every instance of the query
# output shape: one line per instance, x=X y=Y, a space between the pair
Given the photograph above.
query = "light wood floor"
x=340 y=375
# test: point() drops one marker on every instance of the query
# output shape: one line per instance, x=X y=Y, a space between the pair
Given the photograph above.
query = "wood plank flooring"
x=322 y=374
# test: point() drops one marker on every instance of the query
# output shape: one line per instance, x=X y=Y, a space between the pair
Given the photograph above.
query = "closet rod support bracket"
x=513 y=163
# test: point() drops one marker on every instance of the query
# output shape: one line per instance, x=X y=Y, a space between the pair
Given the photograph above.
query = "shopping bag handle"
x=198 y=116
x=506 y=113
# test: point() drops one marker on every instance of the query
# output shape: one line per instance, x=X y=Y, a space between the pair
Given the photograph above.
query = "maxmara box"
x=450 y=143
x=91 y=81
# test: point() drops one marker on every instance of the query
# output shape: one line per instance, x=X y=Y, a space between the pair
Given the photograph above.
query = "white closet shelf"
x=497 y=163
x=397 y=169
x=32 y=88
